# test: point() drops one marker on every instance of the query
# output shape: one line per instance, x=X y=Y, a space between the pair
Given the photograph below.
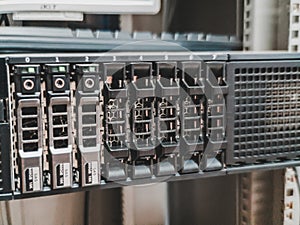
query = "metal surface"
x=205 y=201
x=147 y=204
x=212 y=122
x=43 y=39
x=63 y=209
x=104 y=207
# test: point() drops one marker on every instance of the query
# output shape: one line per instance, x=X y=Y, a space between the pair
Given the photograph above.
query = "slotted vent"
x=89 y=125
x=60 y=126
x=29 y=129
x=267 y=112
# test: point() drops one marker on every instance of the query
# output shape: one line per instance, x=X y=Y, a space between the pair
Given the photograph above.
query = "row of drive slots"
x=116 y=121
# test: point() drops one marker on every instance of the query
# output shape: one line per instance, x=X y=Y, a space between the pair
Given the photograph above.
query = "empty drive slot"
x=192 y=111
x=89 y=119
x=168 y=83
x=192 y=124
x=143 y=103
x=217 y=122
x=29 y=122
x=144 y=142
x=143 y=82
x=61 y=143
x=142 y=75
x=115 y=129
x=60 y=120
x=60 y=132
x=30 y=147
x=217 y=134
x=192 y=106
x=192 y=73
x=217 y=110
x=167 y=125
x=168 y=74
x=89 y=142
x=169 y=138
x=218 y=72
x=193 y=136
x=142 y=114
x=141 y=128
x=167 y=112
x=115 y=115
x=192 y=81
x=116 y=142
x=196 y=99
x=29 y=111
x=89 y=131
x=116 y=80
x=30 y=135
x=59 y=108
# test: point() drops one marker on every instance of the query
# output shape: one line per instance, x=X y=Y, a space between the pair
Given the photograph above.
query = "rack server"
x=72 y=122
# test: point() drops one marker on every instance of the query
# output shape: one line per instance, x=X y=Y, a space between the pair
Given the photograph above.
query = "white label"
x=63 y=175
x=92 y=173
x=67 y=175
x=95 y=177
x=33 y=179
x=36 y=179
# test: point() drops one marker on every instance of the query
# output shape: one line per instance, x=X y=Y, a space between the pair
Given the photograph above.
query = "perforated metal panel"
x=266 y=106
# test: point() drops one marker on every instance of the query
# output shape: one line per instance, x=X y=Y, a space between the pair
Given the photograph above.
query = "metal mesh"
x=267 y=112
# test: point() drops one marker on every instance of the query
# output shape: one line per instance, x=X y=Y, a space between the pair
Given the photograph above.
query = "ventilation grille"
x=89 y=125
x=29 y=132
x=60 y=126
x=267 y=113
